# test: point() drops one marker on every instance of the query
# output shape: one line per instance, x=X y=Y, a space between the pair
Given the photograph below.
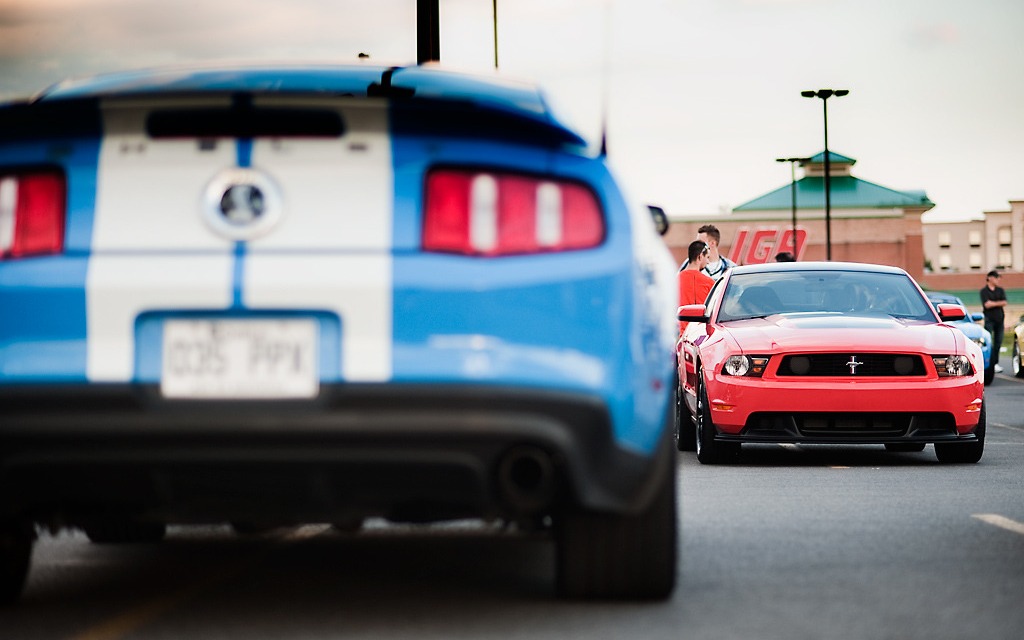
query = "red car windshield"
x=758 y=295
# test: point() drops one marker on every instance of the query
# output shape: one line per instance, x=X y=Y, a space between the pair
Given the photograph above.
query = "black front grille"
x=853 y=426
x=852 y=365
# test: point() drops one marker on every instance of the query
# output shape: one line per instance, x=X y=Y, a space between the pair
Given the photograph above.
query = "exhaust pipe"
x=526 y=479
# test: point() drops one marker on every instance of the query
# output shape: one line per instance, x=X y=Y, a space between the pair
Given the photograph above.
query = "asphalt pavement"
x=792 y=542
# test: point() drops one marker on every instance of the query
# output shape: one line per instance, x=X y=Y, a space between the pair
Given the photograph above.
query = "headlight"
x=752 y=366
x=981 y=342
x=952 y=366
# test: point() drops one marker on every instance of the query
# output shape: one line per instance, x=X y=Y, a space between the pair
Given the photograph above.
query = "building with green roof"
x=869 y=222
x=848 y=192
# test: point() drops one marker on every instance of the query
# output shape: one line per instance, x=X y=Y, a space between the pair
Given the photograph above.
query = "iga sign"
x=755 y=247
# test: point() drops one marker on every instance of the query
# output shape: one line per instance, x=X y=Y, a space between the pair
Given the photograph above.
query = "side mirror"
x=692 y=313
x=977 y=317
x=950 y=312
x=661 y=222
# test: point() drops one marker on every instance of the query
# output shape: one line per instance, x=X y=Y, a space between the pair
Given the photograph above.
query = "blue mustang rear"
x=278 y=295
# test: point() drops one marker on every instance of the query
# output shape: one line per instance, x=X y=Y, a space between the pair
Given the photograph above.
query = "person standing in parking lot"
x=993 y=301
x=694 y=284
x=716 y=264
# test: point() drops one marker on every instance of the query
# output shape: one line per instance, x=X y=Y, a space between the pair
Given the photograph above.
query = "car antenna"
x=606 y=77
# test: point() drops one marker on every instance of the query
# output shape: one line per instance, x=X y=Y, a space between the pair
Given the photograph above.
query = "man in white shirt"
x=717 y=264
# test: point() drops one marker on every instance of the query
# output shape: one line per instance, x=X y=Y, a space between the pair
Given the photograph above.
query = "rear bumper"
x=406 y=452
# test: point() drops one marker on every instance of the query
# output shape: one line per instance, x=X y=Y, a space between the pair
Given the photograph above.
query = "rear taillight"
x=31 y=214
x=491 y=214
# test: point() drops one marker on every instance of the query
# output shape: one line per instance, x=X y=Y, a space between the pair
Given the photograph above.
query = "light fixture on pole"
x=792 y=192
x=825 y=94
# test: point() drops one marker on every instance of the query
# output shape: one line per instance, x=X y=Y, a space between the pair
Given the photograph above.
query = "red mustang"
x=826 y=352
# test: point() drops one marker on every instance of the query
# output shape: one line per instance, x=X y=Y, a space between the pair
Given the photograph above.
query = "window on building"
x=1005 y=235
x=975 y=260
x=974 y=237
x=945 y=262
x=945 y=238
x=1005 y=259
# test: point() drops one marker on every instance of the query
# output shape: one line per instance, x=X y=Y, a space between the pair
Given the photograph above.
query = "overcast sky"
x=701 y=95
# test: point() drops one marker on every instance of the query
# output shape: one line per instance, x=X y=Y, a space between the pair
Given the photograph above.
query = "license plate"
x=240 y=359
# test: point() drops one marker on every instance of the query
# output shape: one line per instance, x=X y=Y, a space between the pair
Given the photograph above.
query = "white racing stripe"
x=123 y=286
x=148 y=198
x=338 y=194
x=339 y=198
x=357 y=288
x=331 y=250
x=149 y=192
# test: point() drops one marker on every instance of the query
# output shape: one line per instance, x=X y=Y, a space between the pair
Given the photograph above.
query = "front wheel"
x=631 y=557
x=1018 y=370
x=964 y=453
x=708 y=450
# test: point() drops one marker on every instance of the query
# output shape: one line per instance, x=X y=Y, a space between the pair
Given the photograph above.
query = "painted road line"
x=1002 y=522
x=133 y=619
x=137 y=617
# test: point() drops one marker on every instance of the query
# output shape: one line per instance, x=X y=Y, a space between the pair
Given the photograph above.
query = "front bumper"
x=71 y=454
x=845 y=411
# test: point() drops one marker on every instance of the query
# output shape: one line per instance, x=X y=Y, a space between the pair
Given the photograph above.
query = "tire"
x=631 y=557
x=15 y=557
x=905 y=447
x=964 y=452
x=990 y=375
x=708 y=450
x=686 y=433
x=125 y=532
x=1018 y=369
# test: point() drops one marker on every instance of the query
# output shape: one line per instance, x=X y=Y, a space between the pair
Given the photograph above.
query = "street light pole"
x=792 y=192
x=494 y=9
x=825 y=94
x=428 y=31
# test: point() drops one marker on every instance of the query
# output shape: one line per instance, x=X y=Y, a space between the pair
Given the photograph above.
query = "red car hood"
x=834 y=332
